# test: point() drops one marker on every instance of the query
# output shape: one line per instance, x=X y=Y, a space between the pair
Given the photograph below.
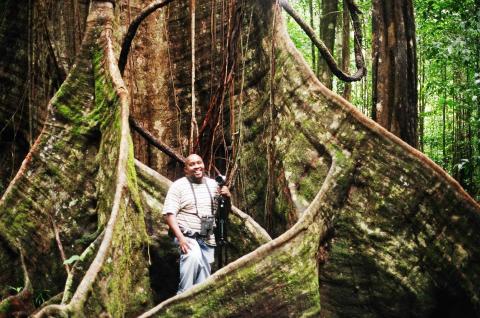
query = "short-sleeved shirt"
x=180 y=200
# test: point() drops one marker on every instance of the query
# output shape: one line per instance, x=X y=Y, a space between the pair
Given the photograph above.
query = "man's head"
x=194 y=167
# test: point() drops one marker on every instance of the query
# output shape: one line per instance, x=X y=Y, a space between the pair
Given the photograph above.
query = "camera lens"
x=220 y=179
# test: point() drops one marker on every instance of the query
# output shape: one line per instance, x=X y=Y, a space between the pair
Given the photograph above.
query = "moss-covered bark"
x=38 y=44
x=79 y=179
x=389 y=233
x=78 y=186
x=44 y=195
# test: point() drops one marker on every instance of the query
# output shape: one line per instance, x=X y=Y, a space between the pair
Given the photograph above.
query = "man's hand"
x=182 y=241
x=183 y=244
x=224 y=191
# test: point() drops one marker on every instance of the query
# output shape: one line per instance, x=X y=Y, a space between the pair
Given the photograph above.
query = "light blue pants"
x=195 y=265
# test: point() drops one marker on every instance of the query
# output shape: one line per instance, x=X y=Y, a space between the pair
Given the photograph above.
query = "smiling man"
x=189 y=211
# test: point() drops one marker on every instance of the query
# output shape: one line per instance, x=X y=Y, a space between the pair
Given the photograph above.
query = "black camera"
x=221 y=180
x=207 y=223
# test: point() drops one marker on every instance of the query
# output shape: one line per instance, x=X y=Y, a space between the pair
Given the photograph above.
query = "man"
x=189 y=210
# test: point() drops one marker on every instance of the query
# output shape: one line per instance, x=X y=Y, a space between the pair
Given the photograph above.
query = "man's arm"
x=171 y=220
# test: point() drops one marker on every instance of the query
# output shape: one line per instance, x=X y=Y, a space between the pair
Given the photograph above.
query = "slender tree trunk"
x=455 y=137
x=470 y=150
x=444 y=121
x=421 y=105
x=367 y=99
x=463 y=154
x=347 y=90
x=394 y=104
x=476 y=110
x=314 y=49
x=328 y=25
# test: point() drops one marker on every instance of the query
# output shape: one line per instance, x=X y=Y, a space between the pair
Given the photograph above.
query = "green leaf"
x=72 y=259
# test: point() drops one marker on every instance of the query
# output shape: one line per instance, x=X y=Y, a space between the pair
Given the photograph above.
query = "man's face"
x=194 y=167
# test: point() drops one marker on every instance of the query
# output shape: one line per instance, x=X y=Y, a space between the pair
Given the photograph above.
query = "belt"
x=196 y=235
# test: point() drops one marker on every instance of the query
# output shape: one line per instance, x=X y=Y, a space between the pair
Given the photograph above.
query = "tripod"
x=223 y=210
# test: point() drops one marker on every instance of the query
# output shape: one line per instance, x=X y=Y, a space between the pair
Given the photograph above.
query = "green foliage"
x=361 y=90
x=71 y=259
x=15 y=289
x=5 y=306
x=40 y=297
x=448 y=36
x=301 y=41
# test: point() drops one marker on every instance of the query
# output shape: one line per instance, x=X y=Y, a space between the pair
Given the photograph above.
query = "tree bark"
x=328 y=26
x=421 y=105
x=394 y=102
x=37 y=45
x=90 y=115
x=347 y=90
x=312 y=25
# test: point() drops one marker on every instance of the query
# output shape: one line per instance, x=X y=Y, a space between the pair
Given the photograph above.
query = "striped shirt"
x=180 y=200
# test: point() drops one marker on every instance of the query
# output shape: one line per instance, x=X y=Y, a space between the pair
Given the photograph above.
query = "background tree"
x=394 y=82
x=448 y=42
x=438 y=57
x=347 y=90
x=327 y=27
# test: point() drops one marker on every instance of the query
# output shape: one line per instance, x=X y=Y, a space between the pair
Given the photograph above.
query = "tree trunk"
x=421 y=106
x=312 y=25
x=328 y=25
x=394 y=104
x=347 y=89
x=99 y=213
x=444 y=121
x=37 y=47
x=154 y=93
x=383 y=230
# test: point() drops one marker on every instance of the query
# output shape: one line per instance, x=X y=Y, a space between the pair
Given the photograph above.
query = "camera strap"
x=195 y=197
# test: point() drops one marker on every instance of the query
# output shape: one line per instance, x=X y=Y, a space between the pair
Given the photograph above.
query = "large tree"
x=382 y=231
x=395 y=98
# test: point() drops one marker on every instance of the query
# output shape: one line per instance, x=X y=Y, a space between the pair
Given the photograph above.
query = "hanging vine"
x=332 y=64
x=211 y=137
x=193 y=122
x=270 y=191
